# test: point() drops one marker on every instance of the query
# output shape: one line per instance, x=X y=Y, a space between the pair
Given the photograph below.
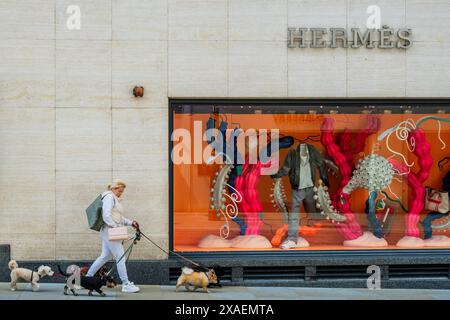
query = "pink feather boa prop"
x=251 y=206
x=415 y=180
x=342 y=156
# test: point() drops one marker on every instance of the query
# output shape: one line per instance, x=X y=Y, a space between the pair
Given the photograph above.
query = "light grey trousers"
x=299 y=197
x=110 y=249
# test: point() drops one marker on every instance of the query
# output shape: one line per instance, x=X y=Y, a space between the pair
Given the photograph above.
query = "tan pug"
x=197 y=279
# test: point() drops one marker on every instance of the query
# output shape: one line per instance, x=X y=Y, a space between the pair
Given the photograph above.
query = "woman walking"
x=112 y=212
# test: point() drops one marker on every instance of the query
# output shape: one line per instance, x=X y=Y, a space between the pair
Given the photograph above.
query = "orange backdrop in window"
x=192 y=182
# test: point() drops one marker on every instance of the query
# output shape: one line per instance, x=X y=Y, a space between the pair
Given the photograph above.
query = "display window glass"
x=309 y=176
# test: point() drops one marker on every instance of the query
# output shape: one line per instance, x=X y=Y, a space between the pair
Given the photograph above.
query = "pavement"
x=156 y=292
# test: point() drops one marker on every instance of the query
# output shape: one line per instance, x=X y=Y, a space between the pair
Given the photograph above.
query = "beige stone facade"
x=69 y=123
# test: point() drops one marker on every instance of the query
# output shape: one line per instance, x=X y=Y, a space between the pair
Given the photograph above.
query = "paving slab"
x=53 y=291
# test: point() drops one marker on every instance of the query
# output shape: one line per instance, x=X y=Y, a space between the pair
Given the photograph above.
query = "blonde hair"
x=117 y=184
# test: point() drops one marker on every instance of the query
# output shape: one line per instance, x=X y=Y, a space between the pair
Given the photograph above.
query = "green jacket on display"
x=291 y=166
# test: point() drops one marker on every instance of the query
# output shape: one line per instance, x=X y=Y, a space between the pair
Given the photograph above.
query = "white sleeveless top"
x=117 y=211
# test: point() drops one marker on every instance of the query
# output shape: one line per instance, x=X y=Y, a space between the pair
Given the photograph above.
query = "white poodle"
x=28 y=275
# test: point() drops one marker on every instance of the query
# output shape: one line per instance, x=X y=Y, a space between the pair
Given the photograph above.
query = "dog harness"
x=31 y=279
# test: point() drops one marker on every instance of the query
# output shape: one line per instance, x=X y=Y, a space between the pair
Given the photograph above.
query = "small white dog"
x=28 y=275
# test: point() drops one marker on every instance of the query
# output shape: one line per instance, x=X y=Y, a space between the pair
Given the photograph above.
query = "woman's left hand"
x=135 y=225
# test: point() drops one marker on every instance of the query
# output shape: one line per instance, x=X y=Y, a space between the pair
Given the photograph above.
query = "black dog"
x=217 y=269
x=90 y=283
x=219 y=273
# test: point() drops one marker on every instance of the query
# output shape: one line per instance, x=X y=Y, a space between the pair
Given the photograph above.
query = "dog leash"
x=137 y=237
x=174 y=253
x=127 y=252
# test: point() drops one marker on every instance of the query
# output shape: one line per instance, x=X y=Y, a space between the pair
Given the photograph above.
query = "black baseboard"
x=397 y=271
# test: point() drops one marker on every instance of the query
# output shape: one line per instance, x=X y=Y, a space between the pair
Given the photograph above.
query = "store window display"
x=342 y=180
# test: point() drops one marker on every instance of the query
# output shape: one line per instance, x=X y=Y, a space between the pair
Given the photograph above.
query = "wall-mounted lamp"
x=138 y=91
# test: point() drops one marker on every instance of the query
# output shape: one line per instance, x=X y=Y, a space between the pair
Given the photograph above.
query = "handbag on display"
x=118 y=234
x=436 y=200
x=385 y=212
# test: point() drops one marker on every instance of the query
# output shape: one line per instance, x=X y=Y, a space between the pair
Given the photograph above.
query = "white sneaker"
x=130 y=288
x=288 y=244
